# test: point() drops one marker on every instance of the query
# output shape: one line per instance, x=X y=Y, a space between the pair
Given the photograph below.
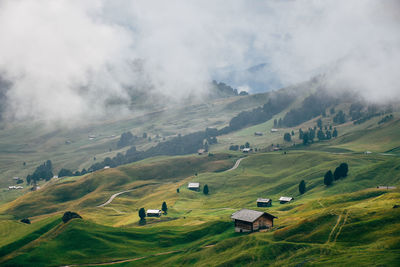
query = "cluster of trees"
x=237 y=147
x=323 y=133
x=260 y=114
x=311 y=107
x=179 y=145
x=386 y=119
x=127 y=139
x=223 y=90
x=287 y=137
x=42 y=172
x=340 y=117
x=340 y=172
x=65 y=172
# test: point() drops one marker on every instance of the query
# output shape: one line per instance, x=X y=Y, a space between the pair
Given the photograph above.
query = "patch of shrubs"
x=69 y=215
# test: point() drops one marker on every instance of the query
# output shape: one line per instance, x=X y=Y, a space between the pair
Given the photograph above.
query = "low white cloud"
x=67 y=58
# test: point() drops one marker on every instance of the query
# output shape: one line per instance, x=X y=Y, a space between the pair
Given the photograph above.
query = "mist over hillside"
x=199 y=133
x=70 y=59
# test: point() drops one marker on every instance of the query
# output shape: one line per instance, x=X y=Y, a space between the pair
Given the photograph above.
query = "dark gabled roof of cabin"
x=263 y=200
x=249 y=215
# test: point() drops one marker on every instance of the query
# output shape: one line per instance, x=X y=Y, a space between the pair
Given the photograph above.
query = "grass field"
x=349 y=223
x=350 y=218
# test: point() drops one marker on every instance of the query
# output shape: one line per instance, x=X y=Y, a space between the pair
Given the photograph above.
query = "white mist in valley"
x=69 y=59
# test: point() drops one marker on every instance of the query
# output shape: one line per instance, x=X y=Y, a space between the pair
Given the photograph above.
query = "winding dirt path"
x=236 y=165
x=123 y=192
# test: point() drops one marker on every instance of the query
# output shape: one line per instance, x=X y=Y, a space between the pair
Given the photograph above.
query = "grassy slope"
x=368 y=225
x=34 y=143
x=348 y=223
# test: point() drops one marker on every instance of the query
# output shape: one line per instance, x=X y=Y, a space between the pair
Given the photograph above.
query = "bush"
x=25 y=220
x=69 y=215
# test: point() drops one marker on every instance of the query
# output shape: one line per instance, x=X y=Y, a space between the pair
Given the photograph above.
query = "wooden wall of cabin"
x=262 y=222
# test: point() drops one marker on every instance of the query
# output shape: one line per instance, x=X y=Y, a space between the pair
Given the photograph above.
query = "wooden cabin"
x=153 y=213
x=386 y=187
x=194 y=186
x=264 y=202
x=284 y=200
x=247 y=150
x=251 y=220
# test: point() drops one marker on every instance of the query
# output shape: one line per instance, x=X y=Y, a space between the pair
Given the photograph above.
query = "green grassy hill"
x=349 y=218
x=349 y=223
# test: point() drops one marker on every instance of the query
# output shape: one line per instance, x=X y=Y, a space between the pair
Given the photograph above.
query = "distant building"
x=273 y=130
x=16 y=178
x=153 y=213
x=11 y=187
x=55 y=176
x=367 y=152
x=284 y=200
x=251 y=220
x=276 y=148
x=201 y=151
x=386 y=187
x=258 y=134
x=264 y=202
x=247 y=150
x=106 y=167
x=194 y=186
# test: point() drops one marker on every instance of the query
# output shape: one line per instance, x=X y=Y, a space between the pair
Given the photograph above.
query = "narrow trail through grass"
x=123 y=192
x=334 y=228
x=341 y=226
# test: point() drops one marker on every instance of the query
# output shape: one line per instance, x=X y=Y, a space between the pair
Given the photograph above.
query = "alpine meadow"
x=199 y=133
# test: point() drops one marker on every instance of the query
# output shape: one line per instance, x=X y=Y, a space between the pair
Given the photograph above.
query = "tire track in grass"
x=341 y=226
x=334 y=228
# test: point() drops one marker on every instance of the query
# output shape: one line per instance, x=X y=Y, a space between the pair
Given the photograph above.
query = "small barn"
x=201 y=151
x=251 y=220
x=153 y=213
x=247 y=150
x=258 y=134
x=273 y=130
x=264 y=202
x=194 y=186
x=386 y=187
x=284 y=200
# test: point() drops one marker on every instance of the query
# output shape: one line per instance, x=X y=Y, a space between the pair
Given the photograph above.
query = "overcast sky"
x=66 y=58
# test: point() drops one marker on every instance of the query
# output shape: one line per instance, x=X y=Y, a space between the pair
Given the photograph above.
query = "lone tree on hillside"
x=177 y=190
x=344 y=168
x=302 y=187
x=335 y=133
x=142 y=214
x=247 y=145
x=164 y=207
x=205 y=190
x=287 y=137
x=328 y=178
